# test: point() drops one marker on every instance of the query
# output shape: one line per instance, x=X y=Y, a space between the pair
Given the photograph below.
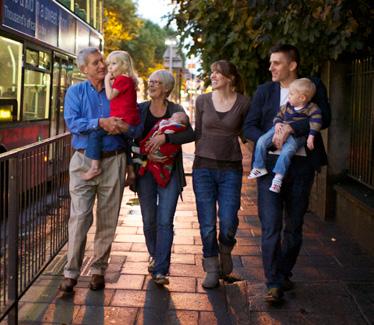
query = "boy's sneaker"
x=276 y=185
x=257 y=172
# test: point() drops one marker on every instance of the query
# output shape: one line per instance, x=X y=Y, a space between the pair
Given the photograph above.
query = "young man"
x=280 y=250
x=87 y=108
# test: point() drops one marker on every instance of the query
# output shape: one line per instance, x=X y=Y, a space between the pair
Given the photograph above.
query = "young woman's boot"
x=225 y=259
x=211 y=267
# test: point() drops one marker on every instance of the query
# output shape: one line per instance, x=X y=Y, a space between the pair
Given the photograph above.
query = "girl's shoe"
x=160 y=279
x=257 y=172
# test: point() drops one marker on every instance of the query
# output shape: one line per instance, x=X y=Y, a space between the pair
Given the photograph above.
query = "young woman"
x=217 y=168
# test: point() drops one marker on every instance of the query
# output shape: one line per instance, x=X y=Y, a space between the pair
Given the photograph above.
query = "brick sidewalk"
x=334 y=278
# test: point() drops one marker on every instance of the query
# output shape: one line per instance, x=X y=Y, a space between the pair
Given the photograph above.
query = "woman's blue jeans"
x=158 y=206
x=212 y=186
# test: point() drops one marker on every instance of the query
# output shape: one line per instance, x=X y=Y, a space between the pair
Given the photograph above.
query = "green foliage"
x=147 y=48
x=121 y=23
x=144 y=40
x=243 y=31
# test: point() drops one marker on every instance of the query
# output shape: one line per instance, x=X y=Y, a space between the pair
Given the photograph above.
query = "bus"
x=39 y=41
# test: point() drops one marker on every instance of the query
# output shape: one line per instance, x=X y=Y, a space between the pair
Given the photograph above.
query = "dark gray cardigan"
x=176 y=138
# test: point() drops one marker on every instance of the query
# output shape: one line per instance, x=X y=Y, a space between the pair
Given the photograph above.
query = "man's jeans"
x=158 y=206
x=212 y=186
x=279 y=253
x=289 y=149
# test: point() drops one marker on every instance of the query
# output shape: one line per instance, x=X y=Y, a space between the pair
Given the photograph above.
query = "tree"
x=148 y=48
x=121 y=23
x=243 y=31
x=144 y=40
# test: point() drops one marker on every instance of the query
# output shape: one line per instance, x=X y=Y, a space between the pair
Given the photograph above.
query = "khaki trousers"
x=107 y=188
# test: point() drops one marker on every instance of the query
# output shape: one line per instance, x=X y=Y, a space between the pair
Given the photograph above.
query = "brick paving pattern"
x=334 y=277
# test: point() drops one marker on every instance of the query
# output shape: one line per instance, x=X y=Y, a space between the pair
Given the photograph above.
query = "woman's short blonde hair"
x=166 y=78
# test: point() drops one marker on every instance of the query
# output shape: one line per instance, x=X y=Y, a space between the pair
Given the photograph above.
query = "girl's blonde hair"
x=126 y=61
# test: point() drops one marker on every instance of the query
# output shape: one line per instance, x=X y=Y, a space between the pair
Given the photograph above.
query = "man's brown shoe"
x=274 y=295
x=97 y=282
x=68 y=284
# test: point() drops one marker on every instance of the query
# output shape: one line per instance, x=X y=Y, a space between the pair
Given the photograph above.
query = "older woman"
x=158 y=203
x=217 y=168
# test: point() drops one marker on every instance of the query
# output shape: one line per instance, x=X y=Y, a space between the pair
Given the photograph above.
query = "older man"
x=87 y=108
x=281 y=246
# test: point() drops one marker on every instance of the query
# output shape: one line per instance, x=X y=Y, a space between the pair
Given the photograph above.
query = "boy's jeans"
x=289 y=149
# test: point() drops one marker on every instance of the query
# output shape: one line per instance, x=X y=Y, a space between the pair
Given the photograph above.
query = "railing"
x=34 y=213
x=361 y=164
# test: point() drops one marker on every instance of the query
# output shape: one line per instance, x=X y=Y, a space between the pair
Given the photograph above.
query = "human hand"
x=310 y=142
x=122 y=126
x=281 y=135
x=112 y=124
x=156 y=158
x=108 y=77
x=155 y=143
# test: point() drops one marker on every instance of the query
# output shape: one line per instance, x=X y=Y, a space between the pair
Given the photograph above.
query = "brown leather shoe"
x=68 y=284
x=97 y=282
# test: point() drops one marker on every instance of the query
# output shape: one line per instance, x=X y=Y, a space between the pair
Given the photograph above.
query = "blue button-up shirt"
x=83 y=107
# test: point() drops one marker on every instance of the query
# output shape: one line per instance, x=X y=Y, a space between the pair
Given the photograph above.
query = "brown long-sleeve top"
x=217 y=134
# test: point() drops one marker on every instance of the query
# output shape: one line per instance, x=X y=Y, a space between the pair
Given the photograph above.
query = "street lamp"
x=171 y=42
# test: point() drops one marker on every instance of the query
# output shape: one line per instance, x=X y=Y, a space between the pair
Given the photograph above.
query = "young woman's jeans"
x=212 y=186
x=282 y=234
x=289 y=149
x=158 y=206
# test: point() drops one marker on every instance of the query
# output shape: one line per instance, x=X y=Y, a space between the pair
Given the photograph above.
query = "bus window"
x=10 y=74
x=36 y=96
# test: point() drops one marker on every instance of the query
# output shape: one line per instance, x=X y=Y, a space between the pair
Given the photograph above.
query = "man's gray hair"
x=83 y=54
x=167 y=80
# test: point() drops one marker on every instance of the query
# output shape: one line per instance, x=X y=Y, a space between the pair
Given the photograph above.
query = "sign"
x=20 y=16
x=67 y=32
x=47 y=19
x=83 y=36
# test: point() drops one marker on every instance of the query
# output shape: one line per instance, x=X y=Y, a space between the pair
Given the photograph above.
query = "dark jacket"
x=175 y=138
x=265 y=106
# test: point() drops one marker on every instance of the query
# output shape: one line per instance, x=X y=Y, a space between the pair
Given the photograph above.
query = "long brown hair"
x=230 y=71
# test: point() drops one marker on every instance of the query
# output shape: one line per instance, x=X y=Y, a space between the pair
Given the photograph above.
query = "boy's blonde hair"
x=126 y=61
x=304 y=86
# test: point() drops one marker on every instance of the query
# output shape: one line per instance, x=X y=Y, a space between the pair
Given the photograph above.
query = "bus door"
x=62 y=71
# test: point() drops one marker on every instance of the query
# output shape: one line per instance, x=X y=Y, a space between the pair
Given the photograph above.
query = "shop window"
x=36 y=95
x=10 y=78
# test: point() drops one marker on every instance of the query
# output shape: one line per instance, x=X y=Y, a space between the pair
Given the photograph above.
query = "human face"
x=282 y=69
x=218 y=80
x=95 y=68
x=156 y=88
x=115 y=67
x=295 y=98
